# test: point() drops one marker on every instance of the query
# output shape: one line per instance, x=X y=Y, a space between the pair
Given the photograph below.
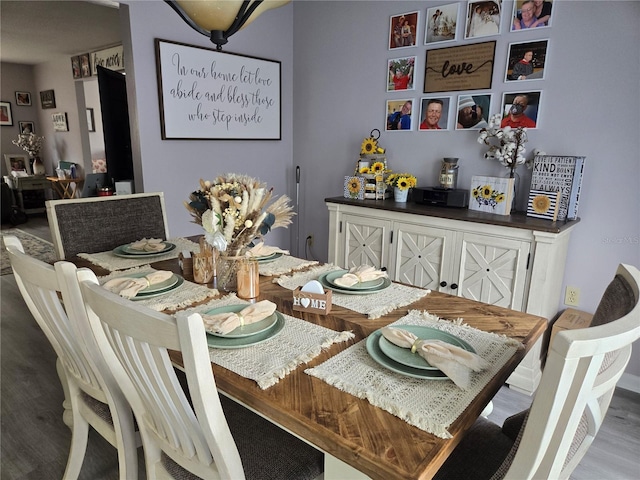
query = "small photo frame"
x=75 y=67
x=542 y=204
x=483 y=18
x=520 y=109
x=491 y=194
x=60 y=123
x=354 y=187
x=526 y=61
x=85 y=65
x=400 y=73
x=441 y=24
x=26 y=127
x=403 y=30
x=48 y=99
x=17 y=162
x=528 y=14
x=6 y=117
x=434 y=114
x=473 y=112
x=23 y=99
x=399 y=114
x=91 y=123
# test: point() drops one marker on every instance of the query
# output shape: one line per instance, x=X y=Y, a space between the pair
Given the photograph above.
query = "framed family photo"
x=6 y=117
x=434 y=113
x=23 y=99
x=529 y=14
x=48 y=99
x=400 y=73
x=520 y=109
x=441 y=24
x=526 y=61
x=75 y=67
x=26 y=127
x=17 y=162
x=399 y=114
x=85 y=65
x=403 y=30
x=483 y=18
x=473 y=112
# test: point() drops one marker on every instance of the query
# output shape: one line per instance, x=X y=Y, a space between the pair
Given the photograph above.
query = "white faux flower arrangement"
x=510 y=151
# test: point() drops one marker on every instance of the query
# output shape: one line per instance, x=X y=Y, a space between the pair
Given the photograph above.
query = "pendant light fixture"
x=219 y=19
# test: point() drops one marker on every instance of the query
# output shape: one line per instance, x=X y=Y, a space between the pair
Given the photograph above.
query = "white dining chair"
x=92 y=397
x=99 y=224
x=186 y=437
x=582 y=369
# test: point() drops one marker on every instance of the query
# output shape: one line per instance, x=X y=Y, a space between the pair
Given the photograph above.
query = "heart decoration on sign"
x=305 y=302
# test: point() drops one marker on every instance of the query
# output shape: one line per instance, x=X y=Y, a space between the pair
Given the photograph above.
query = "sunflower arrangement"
x=487 y=195
x=234 y=210
x=403 y=181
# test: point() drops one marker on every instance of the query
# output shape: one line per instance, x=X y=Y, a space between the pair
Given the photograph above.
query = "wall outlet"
x=572 y=296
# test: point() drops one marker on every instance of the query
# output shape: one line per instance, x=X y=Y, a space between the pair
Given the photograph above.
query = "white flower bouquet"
x=509 y=150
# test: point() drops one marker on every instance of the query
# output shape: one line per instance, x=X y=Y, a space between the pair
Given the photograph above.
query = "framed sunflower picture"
x=491 y=194
x=543 y=204
x=354 y=187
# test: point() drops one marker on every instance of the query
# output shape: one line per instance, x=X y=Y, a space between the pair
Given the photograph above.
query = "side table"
x=66 y=187
x=30 y=182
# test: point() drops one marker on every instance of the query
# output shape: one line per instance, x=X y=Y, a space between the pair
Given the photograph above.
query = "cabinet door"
x=366 y=241
x=422 y=255
x=492 y=269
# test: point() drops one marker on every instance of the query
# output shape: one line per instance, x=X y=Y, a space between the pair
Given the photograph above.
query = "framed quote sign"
x=208 y=94
x=466 y=67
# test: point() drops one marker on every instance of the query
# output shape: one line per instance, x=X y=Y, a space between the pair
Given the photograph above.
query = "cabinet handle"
x=454 y=286
x=443 y=283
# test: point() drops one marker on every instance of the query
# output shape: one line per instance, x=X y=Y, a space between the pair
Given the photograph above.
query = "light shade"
x=219 y=19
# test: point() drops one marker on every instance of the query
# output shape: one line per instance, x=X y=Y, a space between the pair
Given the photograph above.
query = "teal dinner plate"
x=269 y=258
x=414 y=360
x=373 y=348
x=144 y=294
x=372 y=284
x=244 y=330
x=133 y=251
x=323 y=281
x=121 y=251
x=215 y=341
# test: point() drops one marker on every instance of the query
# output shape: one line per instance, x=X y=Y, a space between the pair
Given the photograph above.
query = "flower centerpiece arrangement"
x=234 y=210
x=30 y=143
x=506 y=144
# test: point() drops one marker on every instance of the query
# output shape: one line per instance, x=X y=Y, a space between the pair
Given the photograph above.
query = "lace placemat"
x=112 y=262
x=266 y=363
x=184 y=296
x=431 y=405
x=284 y=264
x=374 y=305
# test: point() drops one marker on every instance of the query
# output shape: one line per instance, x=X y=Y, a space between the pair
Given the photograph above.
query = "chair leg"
x=79 y=439
x=67 y=414
x=125 y=439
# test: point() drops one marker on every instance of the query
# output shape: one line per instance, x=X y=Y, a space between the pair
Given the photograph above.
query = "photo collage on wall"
x=460 y=65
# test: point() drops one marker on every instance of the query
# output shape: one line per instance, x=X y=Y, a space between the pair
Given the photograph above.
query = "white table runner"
x=374 y=305
x=431 y=405
x=112 y=262
x=284 y=264
x=266 y=363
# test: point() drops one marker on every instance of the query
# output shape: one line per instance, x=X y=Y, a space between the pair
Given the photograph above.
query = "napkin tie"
x=129 y=287
x=262 y=250
x=148 y=245
x=455 y=362
x=223 y=323
x=363 y=273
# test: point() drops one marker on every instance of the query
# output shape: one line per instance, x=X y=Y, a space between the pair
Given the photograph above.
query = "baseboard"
x=629 y=382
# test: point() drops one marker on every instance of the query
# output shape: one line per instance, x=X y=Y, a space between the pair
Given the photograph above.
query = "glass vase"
x=227 y=272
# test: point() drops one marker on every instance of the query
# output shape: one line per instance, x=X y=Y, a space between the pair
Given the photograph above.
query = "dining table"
x=360 y=436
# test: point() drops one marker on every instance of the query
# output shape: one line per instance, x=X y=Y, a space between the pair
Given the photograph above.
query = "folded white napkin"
x=262 y=250
x=129 y=287
x=223 y=323
x=363 y=273
x=453 y=361
x=148 y=245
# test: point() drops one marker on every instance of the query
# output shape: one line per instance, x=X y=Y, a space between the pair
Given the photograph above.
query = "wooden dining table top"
x=367 y=438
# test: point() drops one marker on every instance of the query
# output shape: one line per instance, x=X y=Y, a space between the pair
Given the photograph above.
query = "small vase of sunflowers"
x=401 y=183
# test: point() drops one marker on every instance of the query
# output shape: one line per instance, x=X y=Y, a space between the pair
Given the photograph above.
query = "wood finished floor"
x=34 y=442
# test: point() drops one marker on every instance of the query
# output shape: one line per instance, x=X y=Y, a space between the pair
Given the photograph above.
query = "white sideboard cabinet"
x=512 y=261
